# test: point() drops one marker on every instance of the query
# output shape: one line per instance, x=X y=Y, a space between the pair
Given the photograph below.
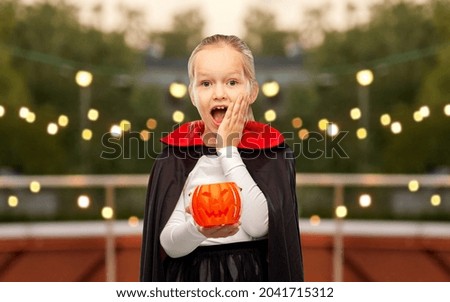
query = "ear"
x=254 y=92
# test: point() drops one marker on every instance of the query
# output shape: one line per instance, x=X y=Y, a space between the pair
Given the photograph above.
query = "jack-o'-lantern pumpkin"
x=216 y=204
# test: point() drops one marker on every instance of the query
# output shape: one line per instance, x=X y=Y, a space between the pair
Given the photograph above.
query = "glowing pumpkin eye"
x=216 y=204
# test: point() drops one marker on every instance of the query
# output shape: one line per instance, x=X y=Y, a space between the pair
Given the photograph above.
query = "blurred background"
x=360 y=89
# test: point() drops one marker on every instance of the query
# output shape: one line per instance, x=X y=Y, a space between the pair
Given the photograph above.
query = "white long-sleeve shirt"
x=181 y=236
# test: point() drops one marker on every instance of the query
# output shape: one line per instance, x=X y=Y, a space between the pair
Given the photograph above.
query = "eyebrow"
x=233 y=73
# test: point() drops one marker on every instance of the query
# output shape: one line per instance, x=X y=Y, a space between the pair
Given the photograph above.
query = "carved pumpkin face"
x=216 y=204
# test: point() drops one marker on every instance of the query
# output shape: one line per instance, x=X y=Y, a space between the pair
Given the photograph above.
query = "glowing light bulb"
x=83 y=201
x=385 y=119
x=323 y=124
x=178 y=90
x=83 y=78
x=413 y=185
x=270 y=89
x=270 y=115
x=86 y=134
x=303 y=134
x=63 y=120
x=364 y=77
x=314 y=220
x=435 y=200
x=52 y=128
x=178 y=116
x=151 y=123
x=297 y=122
x=13 y=201
x=115 y=131
x=93 y=114
x=341 y=211
x=133 y=221
x=107 y=213
x=365 y=200
x=355 y=113
x=396 y=127
x=35 y=186
x=361 y=133
x=332 y=129
x=23 y=112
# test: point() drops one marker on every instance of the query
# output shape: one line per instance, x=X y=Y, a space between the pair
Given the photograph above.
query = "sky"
x=223 y=16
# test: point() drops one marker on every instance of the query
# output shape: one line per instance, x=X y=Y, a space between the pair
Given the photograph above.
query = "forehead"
x=218 y=58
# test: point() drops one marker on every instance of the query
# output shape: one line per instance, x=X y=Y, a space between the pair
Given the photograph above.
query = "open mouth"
x=218 y=113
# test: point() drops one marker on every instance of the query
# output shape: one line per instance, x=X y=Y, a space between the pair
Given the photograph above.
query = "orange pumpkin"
x=216 y=204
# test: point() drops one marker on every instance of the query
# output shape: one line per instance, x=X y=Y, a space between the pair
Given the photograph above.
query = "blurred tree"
x=264 y=38
x=424 y=145
x=49 y=45
x=185 y=33
x=395 y=45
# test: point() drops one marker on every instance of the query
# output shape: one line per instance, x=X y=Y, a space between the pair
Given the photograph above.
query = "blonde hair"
x=238 y=45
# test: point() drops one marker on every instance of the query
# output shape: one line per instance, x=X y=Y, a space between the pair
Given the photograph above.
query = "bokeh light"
x=13 y=201
x=413 y=185
x=303 y=134
x=270 y=115
x=361 y=133
x=23 y=112
x=447 y=110
x=35 y=186
x=417 y=116
x=425 y=111
x=145 y=135
x=86 y=134
x=133 y=221
x=178 y=90
x=355 y=113
x=115 y=131
x=341 y=211
x=365 y=200
x=435 y=200
x=63 y=120
x=297 y=122
x=178 y=116
x=93 y=114
x=323 y=124
x=152 y=123
x=107 y=213
x=385 y=119
x=83 y=201
x=52 y=128
x=364 y=77
x=396 y=127
x=125 y=125
x=314 y=220
x=332 y=129
x=270 y=89
x=83 y=78
x=2 y=111
x=31 y=117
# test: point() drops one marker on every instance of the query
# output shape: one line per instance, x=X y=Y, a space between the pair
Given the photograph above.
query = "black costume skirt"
x=241 y=261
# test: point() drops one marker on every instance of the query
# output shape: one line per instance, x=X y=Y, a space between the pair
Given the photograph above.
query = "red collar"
x=255 y=136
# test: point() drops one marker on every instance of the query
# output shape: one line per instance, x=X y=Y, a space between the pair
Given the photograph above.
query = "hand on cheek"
x=230 y=130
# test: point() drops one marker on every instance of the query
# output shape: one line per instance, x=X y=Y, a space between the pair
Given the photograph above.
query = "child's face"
x=218 y=80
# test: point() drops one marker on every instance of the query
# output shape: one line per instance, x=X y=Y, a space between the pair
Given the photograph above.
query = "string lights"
x=270 y=89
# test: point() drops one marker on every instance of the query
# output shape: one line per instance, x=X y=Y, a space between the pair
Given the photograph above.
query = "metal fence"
x=338 y=182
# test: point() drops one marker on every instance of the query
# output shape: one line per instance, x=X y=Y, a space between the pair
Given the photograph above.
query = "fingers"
x=220 y=231
x=230 y=130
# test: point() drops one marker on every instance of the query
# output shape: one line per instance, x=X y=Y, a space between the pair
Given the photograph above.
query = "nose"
x=219 y=92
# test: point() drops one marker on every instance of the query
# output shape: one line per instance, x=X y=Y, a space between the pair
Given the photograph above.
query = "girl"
x=226 y=145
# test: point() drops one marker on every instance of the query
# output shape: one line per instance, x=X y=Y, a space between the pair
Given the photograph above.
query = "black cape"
x=273 y=169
